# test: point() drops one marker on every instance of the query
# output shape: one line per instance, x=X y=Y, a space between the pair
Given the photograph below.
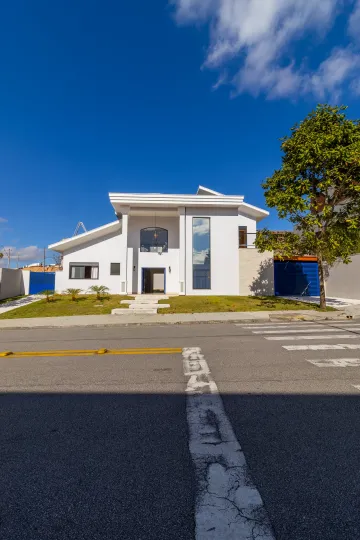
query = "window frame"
x=243 y=229
x=84 y=265
x=192 y=254
x=115 y=273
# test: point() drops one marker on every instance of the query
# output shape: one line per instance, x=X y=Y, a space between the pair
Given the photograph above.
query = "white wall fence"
x=13 y=282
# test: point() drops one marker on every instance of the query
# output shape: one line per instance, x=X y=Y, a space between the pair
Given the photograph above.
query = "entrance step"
x=152 y=297
x=121 y=311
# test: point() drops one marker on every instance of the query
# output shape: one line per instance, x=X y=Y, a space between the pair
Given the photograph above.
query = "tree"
x=318 y=189
x=99 y=290
x=73 y=292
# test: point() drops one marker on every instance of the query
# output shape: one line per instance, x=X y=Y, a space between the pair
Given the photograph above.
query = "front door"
x=153 y=281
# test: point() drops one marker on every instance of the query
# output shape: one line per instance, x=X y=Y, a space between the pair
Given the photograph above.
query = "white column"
x=182 y=250
x=124 y=234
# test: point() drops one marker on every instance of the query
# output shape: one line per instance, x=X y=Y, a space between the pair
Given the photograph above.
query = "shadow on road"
x=117 y=466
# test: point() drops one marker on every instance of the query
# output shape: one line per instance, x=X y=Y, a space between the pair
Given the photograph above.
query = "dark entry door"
x=146 y=281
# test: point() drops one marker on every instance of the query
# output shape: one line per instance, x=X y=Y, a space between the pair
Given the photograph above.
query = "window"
x=201 y=253
x=84 y=271
x=154 y=239
x=114 y=269
x=242 y=237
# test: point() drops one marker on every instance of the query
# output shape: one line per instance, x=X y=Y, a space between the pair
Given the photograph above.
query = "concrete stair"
x=143 y=304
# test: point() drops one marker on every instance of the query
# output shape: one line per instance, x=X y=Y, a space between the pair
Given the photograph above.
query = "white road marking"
x=297 y=331
x=323 y=347
x=228 y=505
x=354 y=328
x=266 y=327
x=336 y=362
x=357 y=386
x=329 y=336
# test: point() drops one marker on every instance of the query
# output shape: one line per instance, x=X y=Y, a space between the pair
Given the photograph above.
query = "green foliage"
x=317 y=189
x=99 y=290
x=49 y=294
x=73 y=292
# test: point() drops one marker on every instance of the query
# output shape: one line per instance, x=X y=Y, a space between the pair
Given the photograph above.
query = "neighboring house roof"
x=94 y=234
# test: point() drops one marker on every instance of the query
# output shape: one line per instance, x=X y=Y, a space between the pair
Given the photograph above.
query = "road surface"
x=225 y=431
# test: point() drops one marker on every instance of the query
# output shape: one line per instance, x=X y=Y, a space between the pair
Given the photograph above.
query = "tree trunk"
x=322 y=284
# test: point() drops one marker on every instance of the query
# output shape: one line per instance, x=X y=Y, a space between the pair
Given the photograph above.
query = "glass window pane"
x=94 y=272
x=201 y=253
x=115 y=269
x=154 y=239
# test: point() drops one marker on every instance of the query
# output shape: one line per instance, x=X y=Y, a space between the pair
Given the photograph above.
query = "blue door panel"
x=41 y=281
x=296 y=278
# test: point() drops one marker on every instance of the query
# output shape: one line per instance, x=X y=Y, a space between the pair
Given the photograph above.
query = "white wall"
x=224 y=241
x=343 y=280
x=256 y=272
x=155 y=260
x=106 y=250
x=13 y=282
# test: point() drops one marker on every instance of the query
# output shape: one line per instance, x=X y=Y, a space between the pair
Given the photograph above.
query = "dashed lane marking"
x=329 y=336
x=322 y=347
x=336 y=362
x=228 y=505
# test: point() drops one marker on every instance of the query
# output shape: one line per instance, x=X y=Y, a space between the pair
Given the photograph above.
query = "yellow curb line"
x=90 y=352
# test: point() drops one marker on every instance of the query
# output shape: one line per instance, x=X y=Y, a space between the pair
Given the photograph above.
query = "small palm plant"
x=99 y=290
x=73 y=292
x=49 y=294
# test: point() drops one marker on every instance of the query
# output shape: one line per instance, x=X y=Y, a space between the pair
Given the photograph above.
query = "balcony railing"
x=151 y=248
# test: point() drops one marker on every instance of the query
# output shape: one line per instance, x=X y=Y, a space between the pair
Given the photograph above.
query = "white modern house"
x=177 y=244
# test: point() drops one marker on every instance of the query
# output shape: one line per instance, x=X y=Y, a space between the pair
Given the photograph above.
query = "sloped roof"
x=94 y=234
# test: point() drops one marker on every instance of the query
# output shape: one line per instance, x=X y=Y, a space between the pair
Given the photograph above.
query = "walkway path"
x=20 y=302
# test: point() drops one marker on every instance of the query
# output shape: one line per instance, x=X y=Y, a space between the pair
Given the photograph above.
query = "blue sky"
x=156 y=96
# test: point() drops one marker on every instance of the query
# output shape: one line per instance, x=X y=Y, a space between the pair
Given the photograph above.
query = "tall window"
x=154 y=239
x=201 y=253
x=242 y=237
x=84 y=271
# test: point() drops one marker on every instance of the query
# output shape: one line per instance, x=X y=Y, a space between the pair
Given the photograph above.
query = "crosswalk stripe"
x=322 y=347
x=335 y=362
x=329 y=336
x=354 y=328
x=265 y=327
x=297 y=331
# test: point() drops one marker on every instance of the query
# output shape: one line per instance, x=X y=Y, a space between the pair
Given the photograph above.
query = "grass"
x=211 y=304
x=62 y=305
x=6 y=300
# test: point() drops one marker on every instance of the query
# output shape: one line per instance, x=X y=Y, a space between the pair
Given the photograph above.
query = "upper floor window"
x=243 y=240
x=154 y=239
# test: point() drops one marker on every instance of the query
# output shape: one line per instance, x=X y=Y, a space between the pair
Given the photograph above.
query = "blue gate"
x=297 y=278
x=41 y=281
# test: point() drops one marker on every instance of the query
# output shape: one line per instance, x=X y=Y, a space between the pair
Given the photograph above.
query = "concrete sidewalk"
x=20 y=302
x=180 y=318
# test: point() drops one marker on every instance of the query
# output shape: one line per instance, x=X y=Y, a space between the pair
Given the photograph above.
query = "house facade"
x=173 y=244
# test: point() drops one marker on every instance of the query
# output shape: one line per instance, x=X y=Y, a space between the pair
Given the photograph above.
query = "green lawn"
x=204 y=304
x=62 y=305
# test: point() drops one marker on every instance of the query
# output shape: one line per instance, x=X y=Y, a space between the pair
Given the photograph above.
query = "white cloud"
x=258 y=37
x=3 y=220
x=25 y=254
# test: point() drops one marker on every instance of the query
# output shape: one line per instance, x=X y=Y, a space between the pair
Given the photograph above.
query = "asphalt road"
x=98 y=447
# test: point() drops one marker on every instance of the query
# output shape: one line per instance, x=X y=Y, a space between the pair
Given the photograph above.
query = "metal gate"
x=41 y=281
x=296 y=278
